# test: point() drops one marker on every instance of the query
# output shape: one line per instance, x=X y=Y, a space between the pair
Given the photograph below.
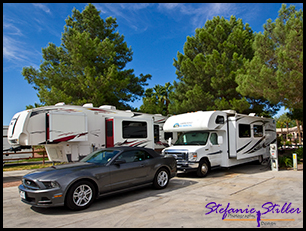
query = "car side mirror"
x=118 y=162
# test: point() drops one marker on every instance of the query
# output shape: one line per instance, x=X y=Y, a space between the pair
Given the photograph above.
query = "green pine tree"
x=88 y=66
x=276 y=70
x=208 y=68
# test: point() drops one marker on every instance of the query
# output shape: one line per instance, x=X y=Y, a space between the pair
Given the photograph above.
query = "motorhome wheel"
x=203 y=168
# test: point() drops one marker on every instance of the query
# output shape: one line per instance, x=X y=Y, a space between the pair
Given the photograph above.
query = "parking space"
x=186 y=202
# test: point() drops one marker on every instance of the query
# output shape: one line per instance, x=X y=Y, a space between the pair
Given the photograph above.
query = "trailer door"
x=109 y=131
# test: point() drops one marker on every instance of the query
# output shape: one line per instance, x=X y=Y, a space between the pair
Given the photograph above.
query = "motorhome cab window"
x=244 y=130
x=258 y=130
x=193 y=138
x=134 y=129
x=214 y=138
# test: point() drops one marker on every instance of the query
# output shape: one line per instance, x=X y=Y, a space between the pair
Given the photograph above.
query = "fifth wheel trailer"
x=209 y=139
x=71 y=132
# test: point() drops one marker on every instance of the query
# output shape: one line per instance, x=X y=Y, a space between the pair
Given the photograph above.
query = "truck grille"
x=181 y=156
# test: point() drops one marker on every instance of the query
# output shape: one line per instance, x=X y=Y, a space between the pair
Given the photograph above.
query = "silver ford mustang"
x=77 y=185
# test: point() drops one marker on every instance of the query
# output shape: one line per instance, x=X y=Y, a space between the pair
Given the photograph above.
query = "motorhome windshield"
x=193 y=138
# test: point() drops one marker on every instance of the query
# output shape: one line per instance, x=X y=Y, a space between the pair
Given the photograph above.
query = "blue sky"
x=155 y=31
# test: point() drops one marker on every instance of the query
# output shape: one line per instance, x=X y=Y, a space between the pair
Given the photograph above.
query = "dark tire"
x=80 y=195
x=161 y=179
x=203 y=168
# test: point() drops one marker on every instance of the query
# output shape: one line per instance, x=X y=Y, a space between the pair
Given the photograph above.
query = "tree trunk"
x=299 y=131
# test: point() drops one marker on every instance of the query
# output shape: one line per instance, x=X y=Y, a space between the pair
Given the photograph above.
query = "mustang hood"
x=57 y=171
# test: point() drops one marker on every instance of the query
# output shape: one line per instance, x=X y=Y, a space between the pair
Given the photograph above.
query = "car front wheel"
x=161 y=179
x=80 y=195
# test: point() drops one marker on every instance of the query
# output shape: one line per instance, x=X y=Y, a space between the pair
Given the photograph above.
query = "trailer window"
x=244 y=130
x=134 y=129
x=258 y=130
x=220 y=120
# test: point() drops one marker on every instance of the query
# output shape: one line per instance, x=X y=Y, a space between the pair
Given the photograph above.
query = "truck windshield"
x=193 y=138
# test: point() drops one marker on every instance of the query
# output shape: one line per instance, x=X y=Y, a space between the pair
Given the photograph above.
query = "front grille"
x=181 y=156
x=29 y=184
x=13 y=141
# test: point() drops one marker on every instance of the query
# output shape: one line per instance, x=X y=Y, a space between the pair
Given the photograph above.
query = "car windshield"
x=192 y=138
x=100 y=156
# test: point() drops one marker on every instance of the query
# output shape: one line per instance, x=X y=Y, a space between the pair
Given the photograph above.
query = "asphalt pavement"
x=247 y=195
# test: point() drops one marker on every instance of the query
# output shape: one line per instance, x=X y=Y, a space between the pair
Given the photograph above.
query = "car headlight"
x=50 y=184
x=192 y=156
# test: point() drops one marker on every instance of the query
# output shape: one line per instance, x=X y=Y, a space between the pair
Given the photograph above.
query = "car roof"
x=127 y=148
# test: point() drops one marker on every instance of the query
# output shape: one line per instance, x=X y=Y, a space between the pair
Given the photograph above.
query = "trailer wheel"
x=203 y=168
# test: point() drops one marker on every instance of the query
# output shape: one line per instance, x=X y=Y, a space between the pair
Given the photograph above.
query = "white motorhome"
x=71 y=132
x=209 y=139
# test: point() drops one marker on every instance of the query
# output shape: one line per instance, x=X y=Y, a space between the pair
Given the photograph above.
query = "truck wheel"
x=203 y=168
x=80 y=195
x=161 y=179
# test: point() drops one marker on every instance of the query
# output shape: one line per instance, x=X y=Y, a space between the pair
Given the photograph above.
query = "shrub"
x=285 y=162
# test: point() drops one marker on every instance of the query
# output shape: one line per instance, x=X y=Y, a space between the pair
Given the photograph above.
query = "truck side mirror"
x=169 y=141
x=220 y=140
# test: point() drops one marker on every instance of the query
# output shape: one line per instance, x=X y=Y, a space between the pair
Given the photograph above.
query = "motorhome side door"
x=214 y=149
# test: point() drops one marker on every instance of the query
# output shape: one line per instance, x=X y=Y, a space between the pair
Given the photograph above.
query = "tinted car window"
x=100 y=156
x=134 y=156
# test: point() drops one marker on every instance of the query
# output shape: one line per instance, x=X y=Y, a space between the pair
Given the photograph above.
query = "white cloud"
x=131 y=13
x=11 y=49
x=42 y=7
x=135 y=6
x=168 y=5
x=15 y=52
x=199 y=13
x=11 y=29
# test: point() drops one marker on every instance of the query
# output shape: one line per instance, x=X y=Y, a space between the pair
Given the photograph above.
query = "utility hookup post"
x=294 y=161
x=273 y=157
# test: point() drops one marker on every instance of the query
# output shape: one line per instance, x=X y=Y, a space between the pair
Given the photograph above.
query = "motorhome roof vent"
x=88 y=105
x=108 y=107
x=60 y=104
x=252 y=114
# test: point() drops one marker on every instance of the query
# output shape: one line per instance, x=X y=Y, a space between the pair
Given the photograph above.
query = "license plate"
x=22 y=194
